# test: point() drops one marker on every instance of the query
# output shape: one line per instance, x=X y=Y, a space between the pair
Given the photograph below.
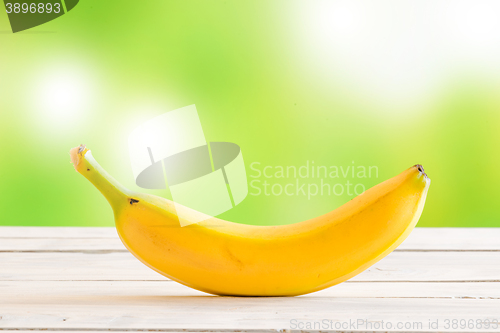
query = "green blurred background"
x=386 y=83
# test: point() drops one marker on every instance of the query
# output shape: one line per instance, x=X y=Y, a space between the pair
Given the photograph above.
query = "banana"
x=226 y=258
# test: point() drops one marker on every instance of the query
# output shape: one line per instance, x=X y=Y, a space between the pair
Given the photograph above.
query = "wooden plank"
x=124 y=305
x=456 y=239
x=106 y=239
x=61 y=245
x=57 y=232
x=33 y=290
x=398 y=266
x=74 y=266
x=230 y=313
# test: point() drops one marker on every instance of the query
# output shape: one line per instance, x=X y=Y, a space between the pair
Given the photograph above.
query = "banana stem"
x=84 y=163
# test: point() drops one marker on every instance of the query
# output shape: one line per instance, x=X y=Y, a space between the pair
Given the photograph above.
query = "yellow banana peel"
x=226 y=258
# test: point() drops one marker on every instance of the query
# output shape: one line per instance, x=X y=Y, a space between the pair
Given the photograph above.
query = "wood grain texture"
x=15 y=291
x=83 y=280
x=106 y=239
x=61 y=245
x=57 y=232
x=397 y=266
x=178 y=312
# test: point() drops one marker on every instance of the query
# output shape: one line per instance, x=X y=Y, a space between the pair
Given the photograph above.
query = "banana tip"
x=420 y=169
x=77 y=154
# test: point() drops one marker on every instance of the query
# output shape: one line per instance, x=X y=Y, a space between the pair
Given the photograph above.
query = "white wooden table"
x=83 y=279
